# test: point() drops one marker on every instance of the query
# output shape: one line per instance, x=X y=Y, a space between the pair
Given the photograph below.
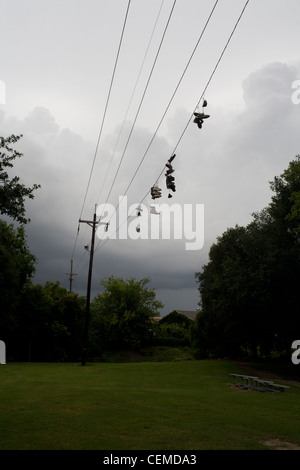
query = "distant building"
x=191 y=314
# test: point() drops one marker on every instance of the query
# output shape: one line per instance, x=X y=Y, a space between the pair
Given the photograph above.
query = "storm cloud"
x=250 y=137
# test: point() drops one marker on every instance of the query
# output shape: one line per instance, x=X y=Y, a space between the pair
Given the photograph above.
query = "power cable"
x=131 y=98
x=106 y=105
x=172 y=97
x=144 y=93
x=124 y=120
x=166 y=110
x=143 y=96
x=212 y=74
x=103 y=119
x=186 y=126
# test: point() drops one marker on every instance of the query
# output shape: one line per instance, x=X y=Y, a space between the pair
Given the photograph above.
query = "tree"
x=50 y=324
x=17 y=266
x=121 y=315
x=236 y=289
x=285 y=205
x=12 y=193
x=250 y=287
x=66 y=321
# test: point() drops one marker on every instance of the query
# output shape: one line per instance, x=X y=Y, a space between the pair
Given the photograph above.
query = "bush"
x=171 y=335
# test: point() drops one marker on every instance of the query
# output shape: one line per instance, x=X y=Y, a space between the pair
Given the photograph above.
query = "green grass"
x=187 y=405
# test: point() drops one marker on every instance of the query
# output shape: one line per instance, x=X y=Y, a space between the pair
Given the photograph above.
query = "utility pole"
x=93 y=224
x=71 y=274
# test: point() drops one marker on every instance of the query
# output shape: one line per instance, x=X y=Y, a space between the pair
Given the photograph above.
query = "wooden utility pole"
x=93 y=224
x=71 y=274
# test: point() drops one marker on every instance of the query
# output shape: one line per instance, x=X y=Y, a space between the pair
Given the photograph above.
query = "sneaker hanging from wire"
x=153 y=210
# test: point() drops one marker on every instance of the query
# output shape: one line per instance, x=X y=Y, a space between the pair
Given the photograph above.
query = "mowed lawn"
x=141 y=406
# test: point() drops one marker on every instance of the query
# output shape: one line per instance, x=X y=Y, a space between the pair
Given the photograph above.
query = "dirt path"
x=276 y=444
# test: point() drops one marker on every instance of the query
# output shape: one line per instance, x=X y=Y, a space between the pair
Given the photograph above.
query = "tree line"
x=249 y=289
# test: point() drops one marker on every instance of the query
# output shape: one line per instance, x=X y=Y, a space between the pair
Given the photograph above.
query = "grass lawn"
x=188 y=405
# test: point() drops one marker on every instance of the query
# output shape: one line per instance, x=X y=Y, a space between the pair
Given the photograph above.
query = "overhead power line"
x=103 y=119
x=100 y=245
x=131 y=98
x=145 y=89
x=172 y=97
x=166 y=109
x=206 y=86
x=106 y=106
x=143 y=96
x=213 y=72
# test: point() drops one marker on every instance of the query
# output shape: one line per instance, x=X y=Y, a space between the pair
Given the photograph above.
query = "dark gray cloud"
x=57 y=103
x=229 y=175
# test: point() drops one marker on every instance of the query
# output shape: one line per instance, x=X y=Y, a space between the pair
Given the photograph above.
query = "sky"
x=104 y=94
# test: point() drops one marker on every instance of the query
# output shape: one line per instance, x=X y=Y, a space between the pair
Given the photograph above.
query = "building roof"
x=191 y=314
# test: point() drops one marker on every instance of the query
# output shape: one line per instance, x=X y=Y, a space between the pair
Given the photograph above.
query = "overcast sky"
x=58 y=69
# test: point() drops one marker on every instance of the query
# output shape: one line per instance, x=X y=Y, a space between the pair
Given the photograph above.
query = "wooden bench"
x=280 y=387
x=264 y=385
x=243 y=381
x=254 y=383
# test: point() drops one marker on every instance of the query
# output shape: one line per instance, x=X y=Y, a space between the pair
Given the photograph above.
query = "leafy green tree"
x=171 y=334
x=284 y=214
x=223 y=294
x=249 y=288
x=17 y=266
x=12 y=192
x=285 y=204
x=67 y=320
x=294 y=215
x=121 y=315
x=50 y=324
x=32 y=332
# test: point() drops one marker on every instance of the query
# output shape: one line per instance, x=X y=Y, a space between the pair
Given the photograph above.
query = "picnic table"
x=250 y=382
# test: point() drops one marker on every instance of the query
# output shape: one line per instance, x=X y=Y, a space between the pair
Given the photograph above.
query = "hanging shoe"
x=153 y=210
x=155 y=192
x=203 y=116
